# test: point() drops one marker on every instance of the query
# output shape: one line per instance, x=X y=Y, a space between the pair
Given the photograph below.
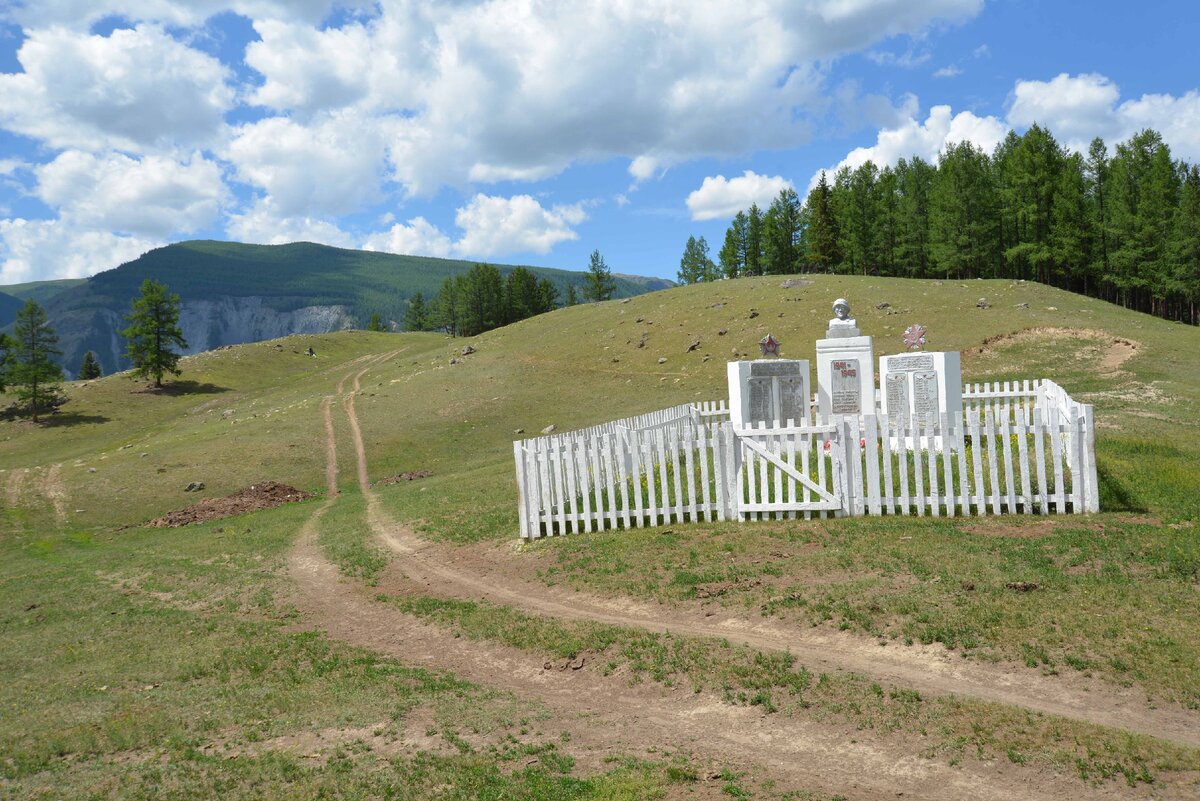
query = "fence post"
x=845 y=453
x=1092 y=502
x=522 y=493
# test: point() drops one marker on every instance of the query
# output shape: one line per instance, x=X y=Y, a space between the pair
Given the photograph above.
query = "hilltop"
x=282 y=634
x=233 y=293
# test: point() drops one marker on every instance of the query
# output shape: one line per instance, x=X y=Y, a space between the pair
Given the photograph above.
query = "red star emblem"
x=914 y=337
x=769 y=345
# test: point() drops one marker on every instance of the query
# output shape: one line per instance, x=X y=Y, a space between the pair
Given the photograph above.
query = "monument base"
x=845 y=376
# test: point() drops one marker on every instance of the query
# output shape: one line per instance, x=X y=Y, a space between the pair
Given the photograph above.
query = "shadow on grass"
x=63 y=419
x=1115 y=496
x=186 y=388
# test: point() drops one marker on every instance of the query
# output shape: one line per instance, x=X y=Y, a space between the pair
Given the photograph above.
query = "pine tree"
x=781 y=234
x=547 y=296
x=914 y=179
x=822 y=239
x=522 y=297
x=481 y=301
x=963 y=215
x=447 y=306
x=376 y=323
x=1098 y=185
x=696 y=266
x=89 y=368
x=30 y=370
x=1071 y=235
x=598 y=284
x=755 y=244
x=1185 y=247
x=153 y=331
x=7 y=345
x=733 y=251
x=572 y=296
x=416 y=316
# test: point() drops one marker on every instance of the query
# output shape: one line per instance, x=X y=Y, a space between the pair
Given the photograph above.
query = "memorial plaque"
x=846 y=391
x=925 y=394
x=793 y=403
x=897 y=395
x=920 y=361
x=760 y=399
x=760 y=368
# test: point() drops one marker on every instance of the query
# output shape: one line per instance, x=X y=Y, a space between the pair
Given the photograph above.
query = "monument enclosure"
x=925 y=444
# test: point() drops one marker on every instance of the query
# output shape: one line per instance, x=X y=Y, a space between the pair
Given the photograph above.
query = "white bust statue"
x=842 y=324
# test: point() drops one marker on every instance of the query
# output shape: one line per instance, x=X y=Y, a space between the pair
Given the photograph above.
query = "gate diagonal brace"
x=774 y=459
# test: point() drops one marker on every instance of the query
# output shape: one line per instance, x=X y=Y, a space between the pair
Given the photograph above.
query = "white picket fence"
x=1017 y=448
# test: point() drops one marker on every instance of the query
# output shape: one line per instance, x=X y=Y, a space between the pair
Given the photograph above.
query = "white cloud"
x=719 y=197
x=1078 y=108
x=133 y=90
x=505 y=90
x=948 y=71
x=80 y=14
x=907 y=60
x=262 y=224
x=1074 y=108
x=151 y=197
x=36 y=250
x=491 y=226
x=643 y=167
x=495 y=226
x=925 y=139
x=332 y=166
x=417 y=237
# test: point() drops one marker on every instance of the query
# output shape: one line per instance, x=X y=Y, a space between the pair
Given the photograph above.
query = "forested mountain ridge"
x=1124 y=227
x=234 y=293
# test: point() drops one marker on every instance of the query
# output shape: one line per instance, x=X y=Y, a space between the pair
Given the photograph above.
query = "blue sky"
x=522 y=132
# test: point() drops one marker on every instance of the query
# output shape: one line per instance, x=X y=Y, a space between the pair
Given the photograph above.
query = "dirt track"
x=620 y=718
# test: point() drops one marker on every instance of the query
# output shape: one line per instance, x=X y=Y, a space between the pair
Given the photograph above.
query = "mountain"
x=233 y=293
x=41 y=291
x=8 y=308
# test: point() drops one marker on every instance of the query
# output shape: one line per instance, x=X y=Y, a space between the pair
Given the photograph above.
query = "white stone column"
x=845 y=368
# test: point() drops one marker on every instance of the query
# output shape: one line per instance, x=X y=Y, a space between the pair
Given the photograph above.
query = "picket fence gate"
x=1016 y=448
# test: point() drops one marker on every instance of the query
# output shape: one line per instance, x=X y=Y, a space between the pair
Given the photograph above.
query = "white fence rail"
x=1017 y=448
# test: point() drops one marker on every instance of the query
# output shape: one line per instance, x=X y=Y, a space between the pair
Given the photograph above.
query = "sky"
x=527 y=131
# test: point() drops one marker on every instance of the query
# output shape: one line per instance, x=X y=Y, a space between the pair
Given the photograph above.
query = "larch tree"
x=89 y=368
x=416 y=316
x=154 y=332
x=598 y=284
x=695 y=265
x=30 y=368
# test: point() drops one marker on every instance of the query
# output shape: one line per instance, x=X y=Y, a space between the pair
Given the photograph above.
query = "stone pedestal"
x=845 y=374
x=768 y=390
x=920 y=384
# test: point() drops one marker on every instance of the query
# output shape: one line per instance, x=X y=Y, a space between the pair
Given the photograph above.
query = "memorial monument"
x=771 y=391
x=920 y=384
x=845 y=367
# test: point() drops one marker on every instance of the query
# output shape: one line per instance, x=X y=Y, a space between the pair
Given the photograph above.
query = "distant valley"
x=233 y=293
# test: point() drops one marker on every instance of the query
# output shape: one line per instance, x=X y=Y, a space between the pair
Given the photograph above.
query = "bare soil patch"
x=1116 y=350
x=411 y=475
x=263 y=495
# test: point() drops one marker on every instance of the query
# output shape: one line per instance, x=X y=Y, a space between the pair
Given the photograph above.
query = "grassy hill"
x=240 y=293
x=1115 y=604
x=41 y=291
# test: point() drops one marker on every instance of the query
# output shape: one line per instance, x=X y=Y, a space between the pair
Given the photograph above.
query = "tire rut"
x=619 y=718
x=921 y=669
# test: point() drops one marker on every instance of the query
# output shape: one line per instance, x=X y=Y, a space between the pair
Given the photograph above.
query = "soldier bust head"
x=841 y=309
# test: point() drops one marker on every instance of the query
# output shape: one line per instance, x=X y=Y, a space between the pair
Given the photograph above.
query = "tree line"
x=483 y=298
x=28 y=367
x=1123 y=227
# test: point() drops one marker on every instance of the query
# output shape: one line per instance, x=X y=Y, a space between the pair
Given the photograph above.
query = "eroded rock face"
x=206 y=324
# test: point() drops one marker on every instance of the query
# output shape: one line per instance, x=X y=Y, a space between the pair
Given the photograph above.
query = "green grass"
x=200 y=612
x=164 y=663
x=948 y=728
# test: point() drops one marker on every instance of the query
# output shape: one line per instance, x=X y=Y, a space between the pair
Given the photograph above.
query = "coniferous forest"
x=1123 y=225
